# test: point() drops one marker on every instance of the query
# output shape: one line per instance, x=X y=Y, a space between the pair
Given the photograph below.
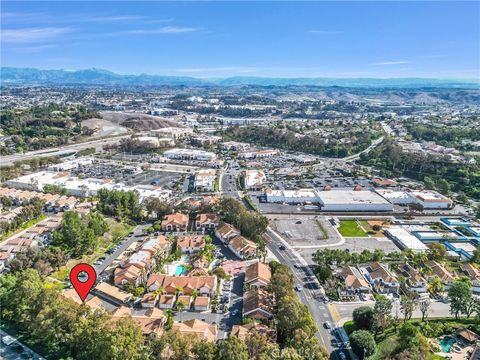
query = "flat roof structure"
x=404 y=239
x=455 y=222
x=350 y=196
x=474 y=230
x=351 y=200
x=438 y=235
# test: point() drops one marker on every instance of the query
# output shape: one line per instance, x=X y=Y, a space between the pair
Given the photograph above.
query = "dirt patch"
x=104 y=128
x=138 y=121
x=382 y=223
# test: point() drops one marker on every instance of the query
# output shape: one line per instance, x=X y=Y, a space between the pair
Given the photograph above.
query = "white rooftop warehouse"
x=404 y=240
x=352 y=200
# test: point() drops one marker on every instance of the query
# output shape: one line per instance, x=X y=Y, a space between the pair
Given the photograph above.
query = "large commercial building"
x=404 y=240
x=300 y=196
x=189 y=154
x=351 y=200
x=205 y=180
x=82 y=187
x=174 y=133
x=427 y=198
x=253 y=179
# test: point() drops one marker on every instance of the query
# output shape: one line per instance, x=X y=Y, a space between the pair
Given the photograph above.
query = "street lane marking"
x=333 y=310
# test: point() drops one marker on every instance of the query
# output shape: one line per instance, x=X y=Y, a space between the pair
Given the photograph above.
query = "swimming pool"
x=180 y=270
x=446 y=343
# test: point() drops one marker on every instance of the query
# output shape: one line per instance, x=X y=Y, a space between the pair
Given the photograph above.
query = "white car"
x=8 y=340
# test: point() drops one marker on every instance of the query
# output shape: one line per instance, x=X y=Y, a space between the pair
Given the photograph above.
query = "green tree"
x=362 y=343
x=381 y=314
x=363 y=318
x=232 y=349
x=202 y=350
x=435 y=286
x=408 y=335
x=97 y=223
x=407 y=305
x=74 y=236
x=292 y=315
x=126 y=340
x=460 y=295
x=324 y=273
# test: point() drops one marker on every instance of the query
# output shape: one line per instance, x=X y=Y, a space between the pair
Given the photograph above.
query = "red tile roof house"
x=258 y=304
x=355 y=283
x=201 y=303
x=186 y=300
x=226 y=232
x=175 y=222
x=381 y=279
x=191 y=244
x=151 y=321
x=183 y=285
x=244 y=331
x=470 y=271
x=206 y=221
x=446 y=277
x=149 y=300
x=414 y=280
x=257 y=275
x=198 y=329
x=129 y=275
x=166 y=301
x=243 y=248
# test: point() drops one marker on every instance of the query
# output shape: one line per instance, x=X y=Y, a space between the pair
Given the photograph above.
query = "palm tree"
x=178 y=290
x=180 y=307
x=159 y=291
x=194 y=294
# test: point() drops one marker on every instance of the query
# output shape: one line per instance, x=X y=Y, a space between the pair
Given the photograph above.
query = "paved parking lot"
x=302 y=232
x=354 y=245
x=152 y=177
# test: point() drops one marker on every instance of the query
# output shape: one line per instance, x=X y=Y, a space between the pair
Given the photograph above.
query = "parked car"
x=235 y=312
x=8 y=340
x=298 y=288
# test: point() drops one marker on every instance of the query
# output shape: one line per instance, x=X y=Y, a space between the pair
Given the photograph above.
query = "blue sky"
x=219 y=39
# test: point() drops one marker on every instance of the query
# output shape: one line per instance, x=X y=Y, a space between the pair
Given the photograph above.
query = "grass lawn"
x=350 y=228
x=116 y=233
x=24 y=226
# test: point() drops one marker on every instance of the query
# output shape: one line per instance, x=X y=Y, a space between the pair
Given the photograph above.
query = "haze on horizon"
x=268 y=39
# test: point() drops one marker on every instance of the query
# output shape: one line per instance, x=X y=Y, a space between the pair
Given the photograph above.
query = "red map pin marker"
x=83 y=287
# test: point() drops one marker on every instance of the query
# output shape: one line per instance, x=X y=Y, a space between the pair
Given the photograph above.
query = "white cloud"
x=398 y=62
x=32 y=35
x=36 y=48
x=164 y=30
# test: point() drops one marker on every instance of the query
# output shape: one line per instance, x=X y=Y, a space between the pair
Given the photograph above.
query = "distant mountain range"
x=27 y=76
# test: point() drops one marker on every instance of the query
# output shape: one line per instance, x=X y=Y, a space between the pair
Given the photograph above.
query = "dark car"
x=18 y=348
x=281 y=247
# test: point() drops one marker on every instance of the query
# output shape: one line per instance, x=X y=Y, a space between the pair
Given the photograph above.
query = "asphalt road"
x=124 y=244
x=309 y=292
x=8 y=353
x=62 y=150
